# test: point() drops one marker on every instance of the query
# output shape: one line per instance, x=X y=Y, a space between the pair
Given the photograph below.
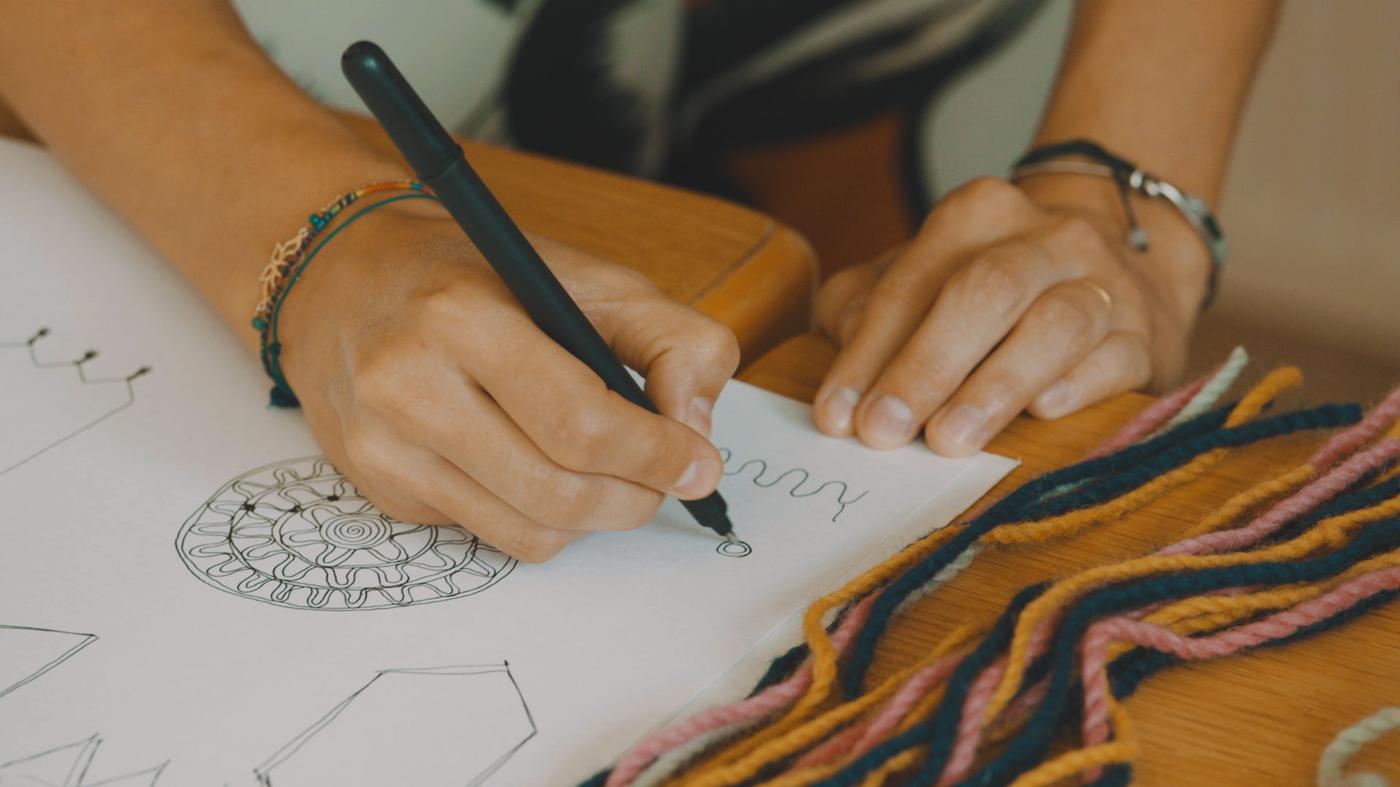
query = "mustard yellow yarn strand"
x=1250 y=406
x=1241 y=503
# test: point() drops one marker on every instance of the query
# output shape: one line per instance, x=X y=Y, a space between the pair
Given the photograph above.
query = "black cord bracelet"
x=1129 y=177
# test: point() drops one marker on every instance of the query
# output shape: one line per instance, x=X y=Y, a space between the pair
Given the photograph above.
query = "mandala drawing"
x=298 y=534
x=390 y=731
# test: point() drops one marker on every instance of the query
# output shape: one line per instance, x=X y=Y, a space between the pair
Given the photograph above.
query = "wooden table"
x=732 y=263
x=1257 y=719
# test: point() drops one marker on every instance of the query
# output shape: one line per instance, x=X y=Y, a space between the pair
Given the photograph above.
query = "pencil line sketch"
x=802 y=476
x=25 y=451
x=372 y=738
x=68 y=766
x=27 y=653
x=298 y=534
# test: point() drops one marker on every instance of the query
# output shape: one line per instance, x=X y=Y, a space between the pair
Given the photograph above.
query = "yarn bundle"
x=1291 y=557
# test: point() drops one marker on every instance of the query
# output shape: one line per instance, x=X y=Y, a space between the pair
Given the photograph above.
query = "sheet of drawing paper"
x=189 y=595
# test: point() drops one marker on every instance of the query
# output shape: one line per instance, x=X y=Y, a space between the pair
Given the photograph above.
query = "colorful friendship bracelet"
x=291 y=257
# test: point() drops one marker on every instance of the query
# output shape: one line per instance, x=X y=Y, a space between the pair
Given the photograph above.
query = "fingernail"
x=1057 y=398
x=963 y=427
x=840 y=404
x=889 y=420
x=694 y=482
x=701 y=414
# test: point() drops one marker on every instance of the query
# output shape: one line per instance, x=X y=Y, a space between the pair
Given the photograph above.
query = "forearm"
x=1164 y=85
x=173 y=115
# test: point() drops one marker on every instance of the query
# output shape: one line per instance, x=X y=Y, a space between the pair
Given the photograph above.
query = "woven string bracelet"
x=291 y=257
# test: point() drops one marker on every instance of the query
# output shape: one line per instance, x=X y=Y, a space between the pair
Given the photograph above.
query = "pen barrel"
x=539 y=292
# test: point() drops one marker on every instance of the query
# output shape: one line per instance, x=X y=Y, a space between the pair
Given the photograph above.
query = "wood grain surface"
x=735 y=264
x=1258 y=719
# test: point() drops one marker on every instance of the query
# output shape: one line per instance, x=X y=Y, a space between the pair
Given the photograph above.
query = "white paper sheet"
x=222 y=608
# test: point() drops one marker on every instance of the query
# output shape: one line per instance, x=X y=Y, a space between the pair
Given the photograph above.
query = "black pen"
x=440 y=165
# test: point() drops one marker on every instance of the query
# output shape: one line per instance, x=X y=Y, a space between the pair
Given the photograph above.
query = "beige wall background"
x=1312 y=207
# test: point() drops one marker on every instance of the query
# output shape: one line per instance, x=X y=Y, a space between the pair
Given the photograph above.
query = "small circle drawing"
x=298 y=534
x=735 y=548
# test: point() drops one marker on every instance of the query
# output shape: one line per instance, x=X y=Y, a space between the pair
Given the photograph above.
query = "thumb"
x=685 y=356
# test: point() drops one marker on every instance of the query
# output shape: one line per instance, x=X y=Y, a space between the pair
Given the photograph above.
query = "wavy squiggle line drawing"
x=802 y=475
x=77 y=364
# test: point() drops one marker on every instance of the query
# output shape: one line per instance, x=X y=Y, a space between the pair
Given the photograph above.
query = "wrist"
x=1177 y=263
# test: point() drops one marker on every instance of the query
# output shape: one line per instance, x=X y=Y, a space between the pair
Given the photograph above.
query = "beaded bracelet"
x=291 y=257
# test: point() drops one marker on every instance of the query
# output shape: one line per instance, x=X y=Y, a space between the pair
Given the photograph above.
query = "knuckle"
x=572 y=501
x=379 y=382
x=986 y=191
x=719 y=343
x=580 y=433
x=993 y=283
x=1080 y=234
x=1069 y=318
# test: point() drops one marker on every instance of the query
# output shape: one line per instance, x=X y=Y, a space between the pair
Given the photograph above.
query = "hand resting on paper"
x=427 y=384
x=1007 y=300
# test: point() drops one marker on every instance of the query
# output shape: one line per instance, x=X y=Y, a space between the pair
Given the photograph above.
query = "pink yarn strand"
x=768 y=701
x=1304 y=500
x=1375 y=422
x=1276 y=626
x=1152 y=418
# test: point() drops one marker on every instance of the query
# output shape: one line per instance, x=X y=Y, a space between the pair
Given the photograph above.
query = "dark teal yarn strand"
x=1009 y=509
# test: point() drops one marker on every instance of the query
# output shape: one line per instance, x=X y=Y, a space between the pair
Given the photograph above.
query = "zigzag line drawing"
x=67 y=766
x=801 y=474
x=29 y=346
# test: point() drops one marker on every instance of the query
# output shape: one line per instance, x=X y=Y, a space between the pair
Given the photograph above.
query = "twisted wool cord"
x=1348 y=742
x=1353 y=419
x=1328 y=532
x=1090 y=759
x=963 y=560
x=1366 y=497
x=932 y=542
x=745 y=711
x=1072 y=521
x=959 y=769
x=1229 y=641
x=910 y=554
x=1334 y=450
x=937 y=662
x=1098 y=754
x=1336 y=481
x=1381 y=417
x=1328 y=486
x=680 y=758
x=955 y=690
x=825 y=759
x=1035 y=737
x=868 y=733
x=1200 y=613
x=860 y=738
x=1219 y=383
x=1147 y=422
